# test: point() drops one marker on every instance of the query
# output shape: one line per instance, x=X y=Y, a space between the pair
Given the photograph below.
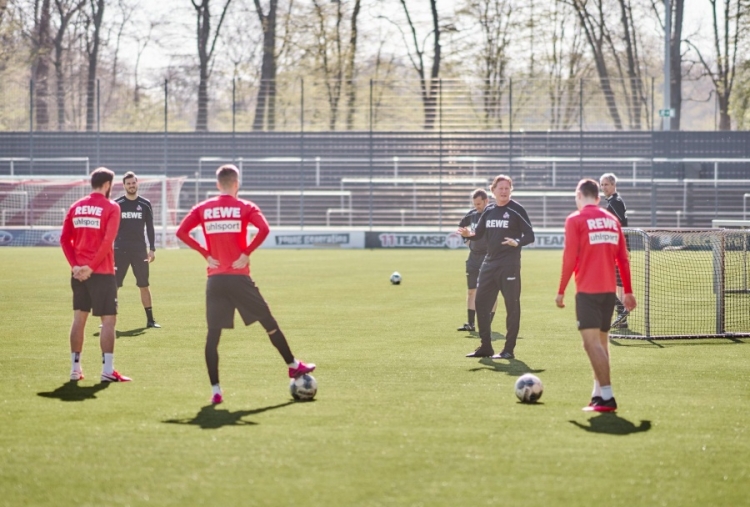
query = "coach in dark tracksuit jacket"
x=507 y=228
x=616 y=206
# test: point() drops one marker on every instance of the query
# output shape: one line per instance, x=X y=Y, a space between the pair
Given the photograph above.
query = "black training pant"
x=494 y=279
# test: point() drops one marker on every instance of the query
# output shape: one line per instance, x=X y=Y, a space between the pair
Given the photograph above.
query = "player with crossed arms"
x=224 y=220
x=594 y=243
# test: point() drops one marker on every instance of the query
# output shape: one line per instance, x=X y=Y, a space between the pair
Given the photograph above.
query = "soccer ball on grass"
x=396 y=278
x=529 y=388
x=303 y=388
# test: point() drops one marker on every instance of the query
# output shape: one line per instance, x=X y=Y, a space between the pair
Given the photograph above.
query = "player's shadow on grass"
x=513 y=367
x=73 y=391
x=210 y=417
x=127 y=334
x=494 y=337
x=611 y=424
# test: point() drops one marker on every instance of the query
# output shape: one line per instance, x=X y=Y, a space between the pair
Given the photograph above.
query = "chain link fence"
x=391 y=105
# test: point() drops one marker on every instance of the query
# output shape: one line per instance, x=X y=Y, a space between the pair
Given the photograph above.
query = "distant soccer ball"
x=396 y=278
x=529 y=388
x=303 y=388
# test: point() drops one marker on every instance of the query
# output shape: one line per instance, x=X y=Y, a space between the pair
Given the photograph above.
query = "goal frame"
x=719 y=285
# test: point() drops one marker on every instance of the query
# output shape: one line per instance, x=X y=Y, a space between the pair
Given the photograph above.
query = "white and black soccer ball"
x=396 y=278
x=303 y=388
x=529 y=388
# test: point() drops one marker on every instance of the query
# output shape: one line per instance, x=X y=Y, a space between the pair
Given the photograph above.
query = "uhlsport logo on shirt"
x=223 y=226
x=87 y=222
x=599 y=237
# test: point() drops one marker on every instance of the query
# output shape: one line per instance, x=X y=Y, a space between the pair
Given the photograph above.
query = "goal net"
x=41 y=202
x=688 y=283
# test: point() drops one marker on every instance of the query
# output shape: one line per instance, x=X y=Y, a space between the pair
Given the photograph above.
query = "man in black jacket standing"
x=616 y=206
x=477 y=251
x=507 y=228
x=130 y=245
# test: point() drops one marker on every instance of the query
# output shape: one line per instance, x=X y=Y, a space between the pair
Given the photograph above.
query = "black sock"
x=212 y=355
x=492 y=317
x=472 y=314
x=149 y=314
x=279 y=341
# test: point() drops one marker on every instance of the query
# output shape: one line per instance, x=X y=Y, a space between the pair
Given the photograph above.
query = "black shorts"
x=136 y=257
x=98 y=293
x=595 y=310
x=224 y=293
x=473 y=265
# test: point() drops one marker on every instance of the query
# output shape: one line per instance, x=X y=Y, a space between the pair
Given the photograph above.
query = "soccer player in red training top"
x=87 y=240
x=594 y=243
x=224 y=220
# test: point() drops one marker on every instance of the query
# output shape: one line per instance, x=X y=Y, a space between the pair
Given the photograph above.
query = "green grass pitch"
x=401 y=417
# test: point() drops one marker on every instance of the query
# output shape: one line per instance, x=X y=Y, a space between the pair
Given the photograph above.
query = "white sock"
x=607 y=393
x=75 y=361
x=216 y=389
x=108 y=363
x=597 y=389
x=294 y=364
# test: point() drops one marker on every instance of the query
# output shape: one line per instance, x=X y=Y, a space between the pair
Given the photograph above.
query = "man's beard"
x=131 y=192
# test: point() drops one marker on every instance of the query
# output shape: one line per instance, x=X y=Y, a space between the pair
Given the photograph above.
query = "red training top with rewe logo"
x=594 y=242
x=224 y=220
x=89 y=232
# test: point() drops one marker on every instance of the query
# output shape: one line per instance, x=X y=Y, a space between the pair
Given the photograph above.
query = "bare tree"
x=566 y=66
x=66 y=9
x=350 y=68
x=94 y=16
x=596 y=31
x=3 y=8
x=206 y=39
x=633 y=84
x=265 y=106
x=676 y=56
x=493 y=21
x=336 y=57
x=428 y=84
x=728 y=32
x=41 y=47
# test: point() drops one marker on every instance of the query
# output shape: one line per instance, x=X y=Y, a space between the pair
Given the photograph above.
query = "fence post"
x=164 y=210
x=371 y=162
x=302 y=153
x=653 y=187
x=166 y=132
x=234 y=118
x=31 y=127
x=98 y=124
x=440 y=154
x=510 y=127
x=580 y=128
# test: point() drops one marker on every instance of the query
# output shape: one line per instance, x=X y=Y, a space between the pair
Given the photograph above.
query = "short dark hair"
x=100 y=176
x=502 y=177
x=479 y=193
x=227 y=173
x=588 y=188
x=128 y=175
